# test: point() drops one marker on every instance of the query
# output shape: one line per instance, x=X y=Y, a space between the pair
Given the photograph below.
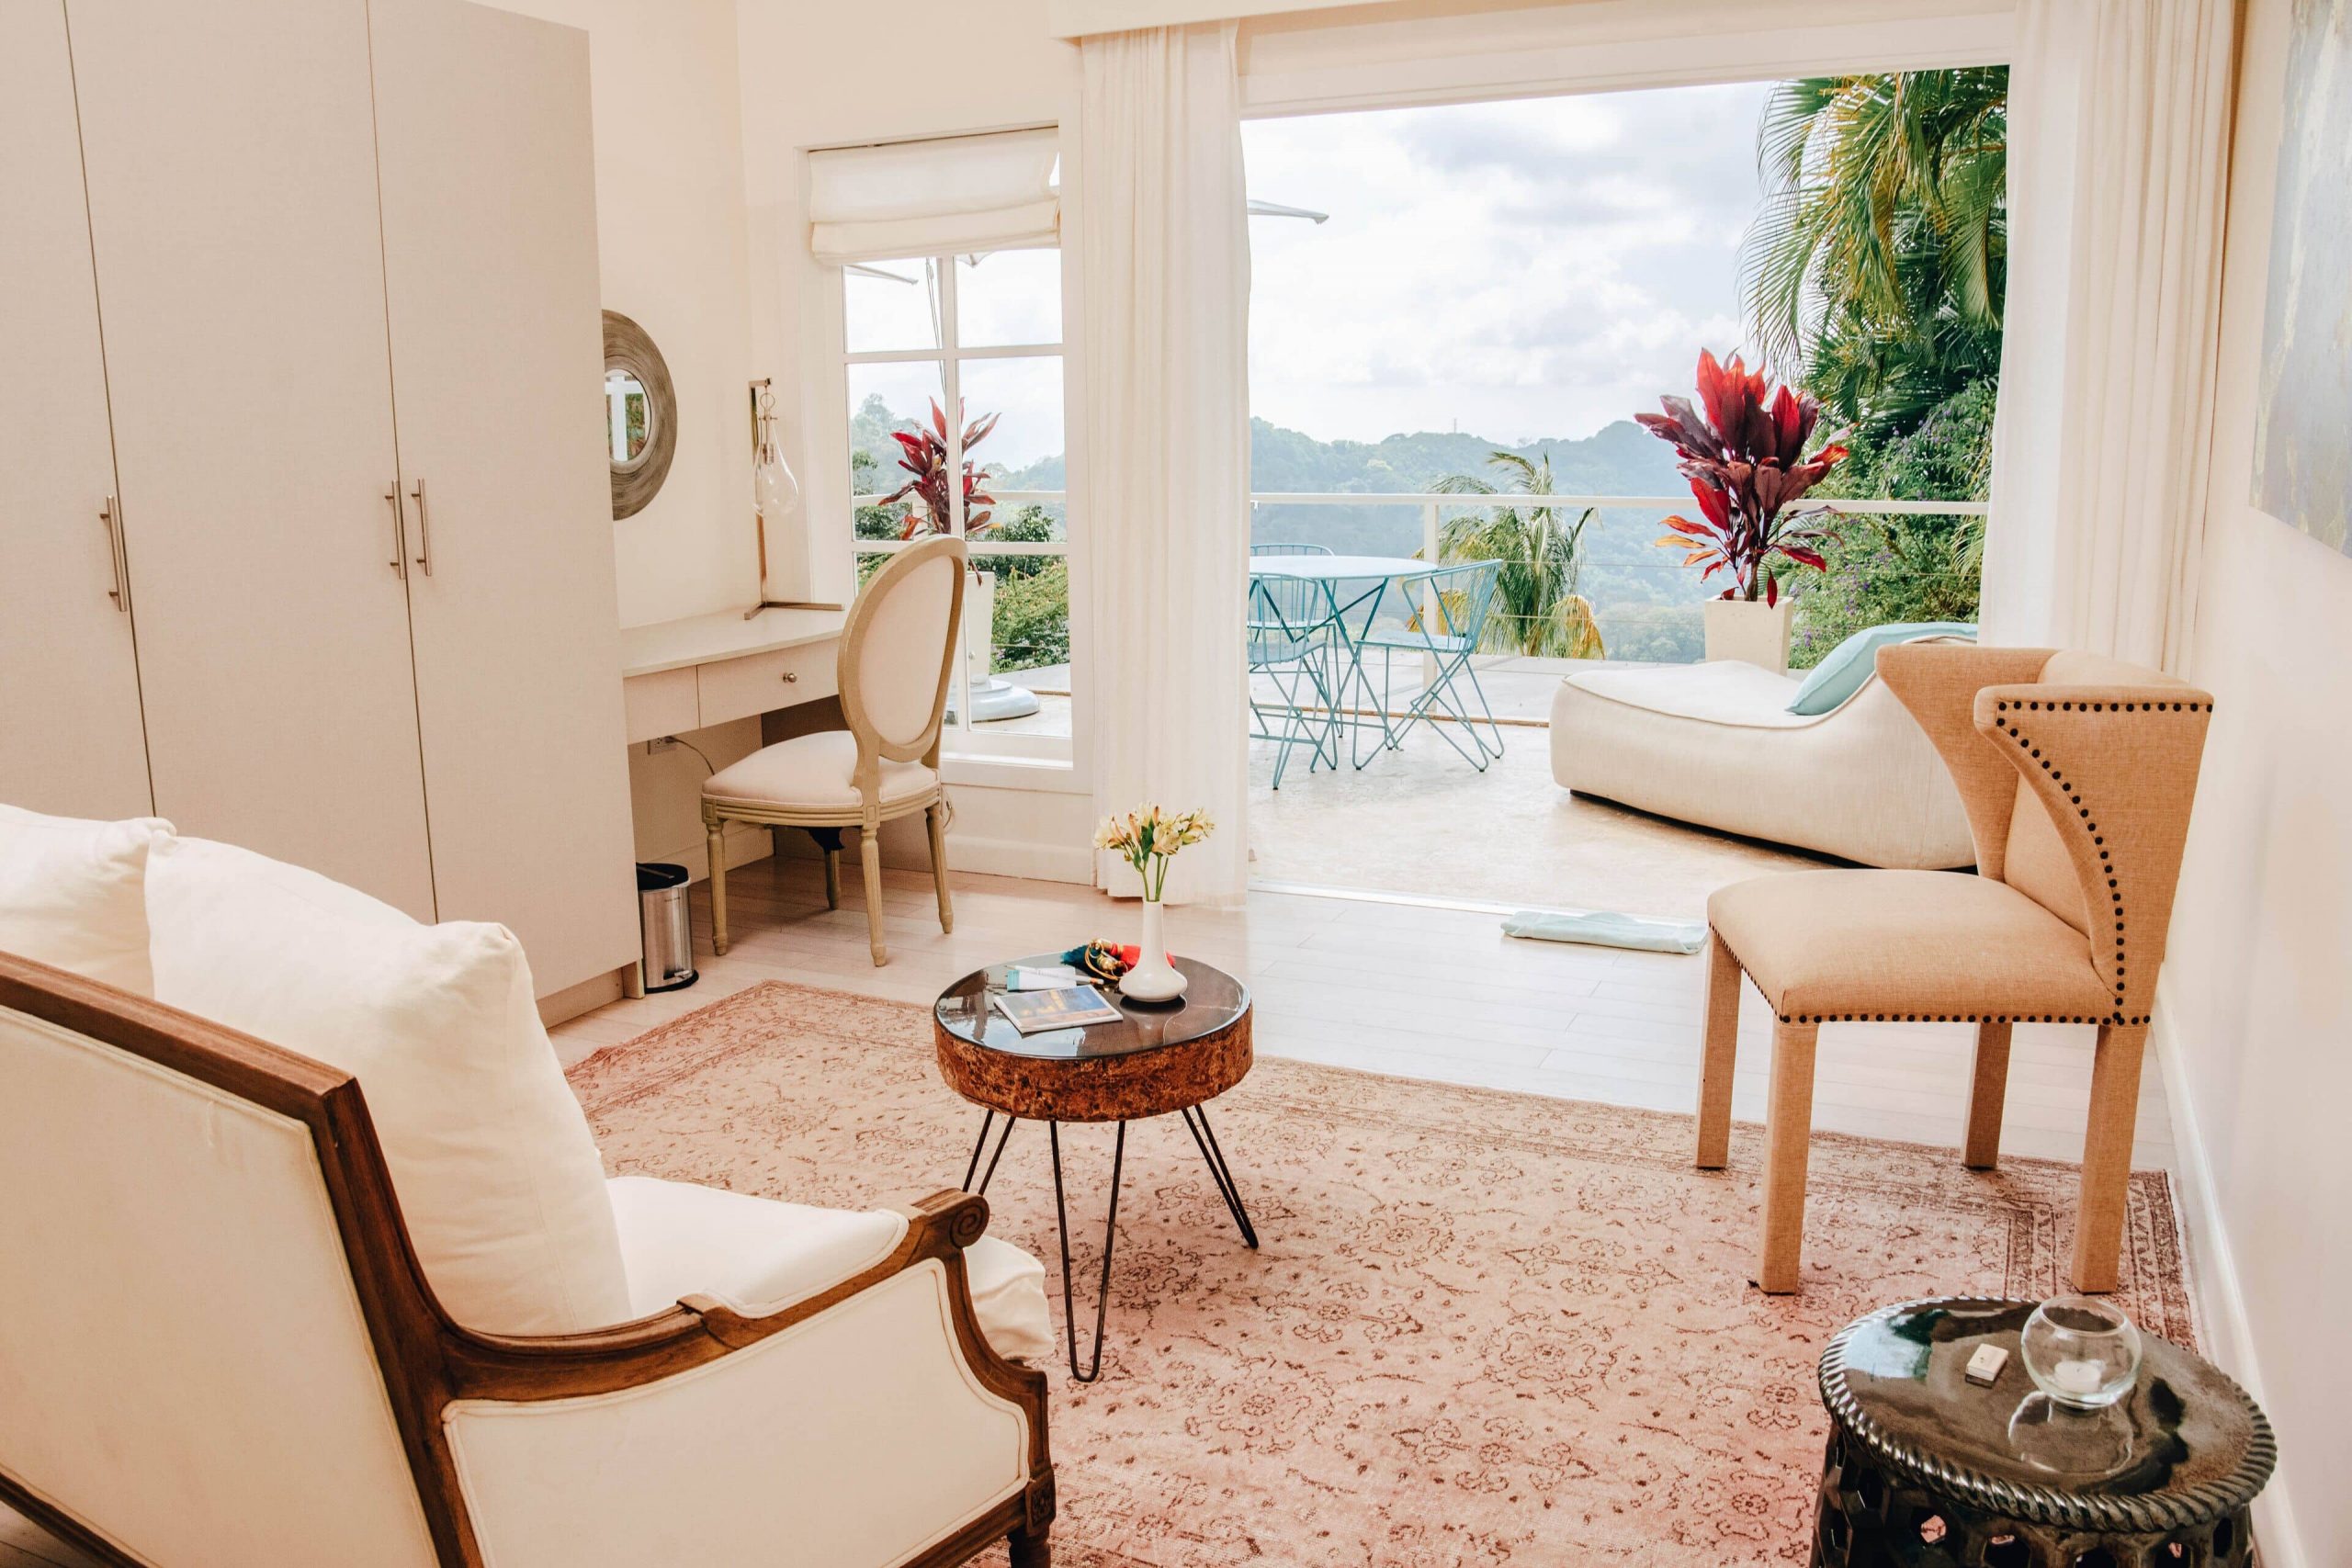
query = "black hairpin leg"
x=988 y=1116
x=1204 y=1137
x=1110 y=1238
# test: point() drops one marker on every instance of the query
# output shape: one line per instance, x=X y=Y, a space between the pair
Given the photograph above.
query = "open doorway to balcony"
x=1457 y=313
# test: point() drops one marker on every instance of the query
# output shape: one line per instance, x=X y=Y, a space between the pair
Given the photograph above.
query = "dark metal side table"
x=1925 y=1470
x=1159 y=1058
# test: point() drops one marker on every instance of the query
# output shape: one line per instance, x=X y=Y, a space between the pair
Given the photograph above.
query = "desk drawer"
x=660 y=703
x=737 y=688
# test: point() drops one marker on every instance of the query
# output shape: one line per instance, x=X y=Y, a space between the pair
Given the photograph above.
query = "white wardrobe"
x=305 y=529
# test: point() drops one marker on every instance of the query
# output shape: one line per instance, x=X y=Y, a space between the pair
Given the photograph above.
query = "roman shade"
x=954 y=196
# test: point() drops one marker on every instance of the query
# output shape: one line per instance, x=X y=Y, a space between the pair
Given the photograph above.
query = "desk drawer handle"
x=790 y=676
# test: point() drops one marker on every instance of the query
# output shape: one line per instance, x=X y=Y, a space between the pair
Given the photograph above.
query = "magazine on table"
x=1067 y=1007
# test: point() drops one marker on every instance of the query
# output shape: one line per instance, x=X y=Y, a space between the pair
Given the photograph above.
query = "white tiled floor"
x=1395 y=988
x=1400 y=988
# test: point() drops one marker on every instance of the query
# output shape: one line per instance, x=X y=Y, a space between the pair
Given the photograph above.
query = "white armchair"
x=250 y=1317
x=217 y=1346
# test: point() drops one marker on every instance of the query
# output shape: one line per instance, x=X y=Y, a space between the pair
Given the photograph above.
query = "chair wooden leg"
x=1719 y=1045
x=936 y=818
x=2106 y=1154
x=719 y=943
x=1030 y=1550
x=870 y=850
x=1981 y=1150
x=1788 y=1139
x=829 y=841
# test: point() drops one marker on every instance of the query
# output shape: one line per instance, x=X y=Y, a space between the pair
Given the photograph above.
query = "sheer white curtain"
x=1164 y=329
x=2118 y=157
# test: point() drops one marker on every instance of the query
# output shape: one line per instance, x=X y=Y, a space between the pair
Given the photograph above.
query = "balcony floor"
x=1420 y=821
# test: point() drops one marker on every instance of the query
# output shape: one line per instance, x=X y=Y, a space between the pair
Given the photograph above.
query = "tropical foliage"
x=1874 y=272
x=1744 y=453
x=1031 y=627
x=1874 y=275
x=1538 y=611
x=924 y=455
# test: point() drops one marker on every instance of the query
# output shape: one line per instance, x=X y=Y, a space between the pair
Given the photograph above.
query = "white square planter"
x=1751 y=630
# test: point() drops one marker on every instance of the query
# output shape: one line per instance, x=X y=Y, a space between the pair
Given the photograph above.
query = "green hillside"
x=1647 y=603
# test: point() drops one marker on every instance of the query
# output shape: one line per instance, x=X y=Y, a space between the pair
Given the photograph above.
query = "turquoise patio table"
x=1357 y=584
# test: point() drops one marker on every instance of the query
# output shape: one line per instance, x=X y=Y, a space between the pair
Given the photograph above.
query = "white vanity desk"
x=678 y=676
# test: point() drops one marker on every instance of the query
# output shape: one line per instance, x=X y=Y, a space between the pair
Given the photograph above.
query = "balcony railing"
x=1433 y=508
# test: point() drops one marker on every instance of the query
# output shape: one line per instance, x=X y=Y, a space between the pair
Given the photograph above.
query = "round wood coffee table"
x=1159 y=1058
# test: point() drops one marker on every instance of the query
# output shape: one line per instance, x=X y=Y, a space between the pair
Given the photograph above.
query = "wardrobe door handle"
x=424 y=529
x=116 y=558
x=399 y=534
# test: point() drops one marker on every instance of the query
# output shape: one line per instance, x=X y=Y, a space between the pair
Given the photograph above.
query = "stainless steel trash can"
x=665 y=925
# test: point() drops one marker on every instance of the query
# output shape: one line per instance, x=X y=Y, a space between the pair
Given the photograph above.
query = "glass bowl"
x=2081 y=1351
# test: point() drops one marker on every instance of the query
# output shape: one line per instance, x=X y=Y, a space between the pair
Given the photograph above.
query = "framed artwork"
x=2302 y=444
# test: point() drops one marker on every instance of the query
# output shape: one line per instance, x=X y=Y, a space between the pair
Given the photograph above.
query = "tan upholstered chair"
x=2077 y=772
x=898 y=652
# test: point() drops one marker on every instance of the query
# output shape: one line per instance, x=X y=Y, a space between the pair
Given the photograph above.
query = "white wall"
x=823 y=75
x=673 y=246
x=671 y=240
x=2256 y=1020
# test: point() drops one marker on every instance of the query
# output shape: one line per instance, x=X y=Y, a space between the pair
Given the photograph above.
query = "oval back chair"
x=898 y=654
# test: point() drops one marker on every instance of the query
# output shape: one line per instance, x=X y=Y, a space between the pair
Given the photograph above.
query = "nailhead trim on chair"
x=2114 y=894
x=1955 y=1018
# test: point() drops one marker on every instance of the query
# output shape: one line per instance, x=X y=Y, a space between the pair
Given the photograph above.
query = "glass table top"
x=1212 y=1002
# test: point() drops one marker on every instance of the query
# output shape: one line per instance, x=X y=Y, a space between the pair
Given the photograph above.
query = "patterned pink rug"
x=1484 y=1329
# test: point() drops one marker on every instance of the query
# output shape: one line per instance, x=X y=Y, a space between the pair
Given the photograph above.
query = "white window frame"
x=960 y=739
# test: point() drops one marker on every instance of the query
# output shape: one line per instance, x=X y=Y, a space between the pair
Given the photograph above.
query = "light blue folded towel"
x=1604 y=930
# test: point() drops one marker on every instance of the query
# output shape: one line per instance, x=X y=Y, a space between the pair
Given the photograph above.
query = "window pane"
x=1023 y=450
x=1009 y=297
x=890 y=305
x=883 y=398
x=1028 y=646
x=1021 y=523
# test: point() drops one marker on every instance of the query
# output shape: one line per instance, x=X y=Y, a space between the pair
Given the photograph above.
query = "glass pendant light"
x=785 y=571
x=774 y=490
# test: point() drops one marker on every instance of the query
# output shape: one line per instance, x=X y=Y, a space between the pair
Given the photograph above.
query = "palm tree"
x=1537 y=609
x=1874 y=270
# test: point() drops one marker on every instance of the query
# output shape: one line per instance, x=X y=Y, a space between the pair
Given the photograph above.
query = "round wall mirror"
x=640 y=414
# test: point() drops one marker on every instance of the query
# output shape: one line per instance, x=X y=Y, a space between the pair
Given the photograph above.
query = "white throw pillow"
x=498 y=1178
x=72 y=894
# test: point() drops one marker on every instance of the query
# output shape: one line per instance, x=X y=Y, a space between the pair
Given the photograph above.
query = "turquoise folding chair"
x=1446 y=615
x=1280 y=549
x=1293 y=632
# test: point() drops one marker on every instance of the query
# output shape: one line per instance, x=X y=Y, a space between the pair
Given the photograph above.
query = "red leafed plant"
x=1744 y=457
x=925 y=456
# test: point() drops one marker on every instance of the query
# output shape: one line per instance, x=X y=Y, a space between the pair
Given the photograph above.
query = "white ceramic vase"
x=1153 y=979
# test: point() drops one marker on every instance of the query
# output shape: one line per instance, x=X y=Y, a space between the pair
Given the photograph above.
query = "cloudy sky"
x=1522 y=269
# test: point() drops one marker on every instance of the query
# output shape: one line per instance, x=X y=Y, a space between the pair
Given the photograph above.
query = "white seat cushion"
x=812 y=772
x=760 y=1256
x=72 y=893
x=1723 y=691
x=498 y=1178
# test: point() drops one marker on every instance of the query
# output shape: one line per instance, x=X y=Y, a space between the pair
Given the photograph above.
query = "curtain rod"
x=917 y=141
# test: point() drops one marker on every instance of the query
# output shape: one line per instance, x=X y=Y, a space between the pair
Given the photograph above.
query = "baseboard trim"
x=2213 y=1276
x=1010 y=857
x=561 y=1007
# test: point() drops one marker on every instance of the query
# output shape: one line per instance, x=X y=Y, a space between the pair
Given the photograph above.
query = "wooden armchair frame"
x=428 y=1361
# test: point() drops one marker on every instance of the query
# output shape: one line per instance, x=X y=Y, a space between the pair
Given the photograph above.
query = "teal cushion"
x=1850 y=664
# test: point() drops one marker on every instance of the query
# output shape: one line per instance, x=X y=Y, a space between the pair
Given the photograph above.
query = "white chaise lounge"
x=1715 y=744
